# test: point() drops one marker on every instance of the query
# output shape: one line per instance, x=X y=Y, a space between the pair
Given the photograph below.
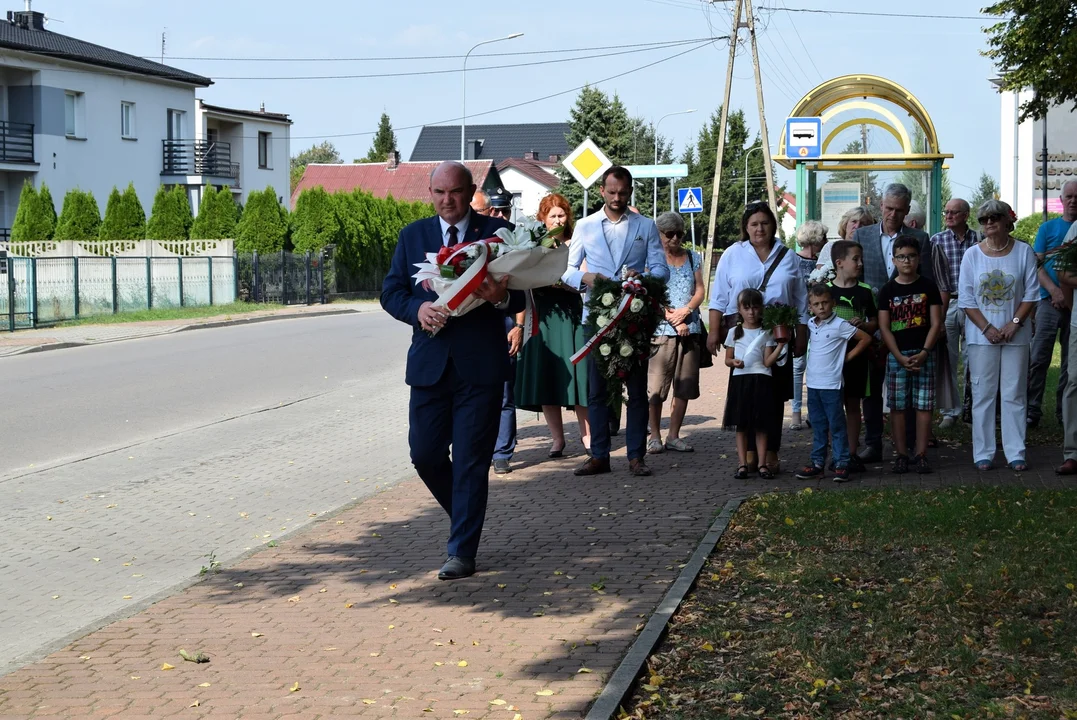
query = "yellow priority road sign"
x=587 y=163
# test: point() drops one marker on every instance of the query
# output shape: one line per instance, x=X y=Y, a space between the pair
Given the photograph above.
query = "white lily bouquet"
x=530 y=255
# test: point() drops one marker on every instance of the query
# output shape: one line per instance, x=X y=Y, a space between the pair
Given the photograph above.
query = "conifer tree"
x=315 y=223
x=264 y=225
x=124 y=217
x=81 y=218
x=170 y=218
x=217 y=215
x=384 y=142
x=31 y=219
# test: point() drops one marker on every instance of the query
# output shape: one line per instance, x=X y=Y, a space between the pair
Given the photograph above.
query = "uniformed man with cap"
x=500 y=206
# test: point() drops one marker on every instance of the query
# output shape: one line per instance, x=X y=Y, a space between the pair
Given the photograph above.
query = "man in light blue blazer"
x=613 y=238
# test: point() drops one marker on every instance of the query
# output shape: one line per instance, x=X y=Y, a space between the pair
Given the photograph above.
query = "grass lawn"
x=1048 y=432
x=200 y=311
x=958 y=603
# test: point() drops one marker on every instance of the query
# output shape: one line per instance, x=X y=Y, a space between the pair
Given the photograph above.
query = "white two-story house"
x=75 y=114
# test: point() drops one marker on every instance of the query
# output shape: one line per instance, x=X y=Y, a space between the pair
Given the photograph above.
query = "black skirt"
x=749 y=404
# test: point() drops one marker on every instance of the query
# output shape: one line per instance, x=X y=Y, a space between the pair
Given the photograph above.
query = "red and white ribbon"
x=469 y=282
x=622 y=308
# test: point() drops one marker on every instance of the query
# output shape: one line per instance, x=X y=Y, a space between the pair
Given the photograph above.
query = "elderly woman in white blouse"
x=998 y=291
x=759 y=260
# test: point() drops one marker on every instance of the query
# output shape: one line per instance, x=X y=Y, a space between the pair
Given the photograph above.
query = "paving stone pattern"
x=348 y=618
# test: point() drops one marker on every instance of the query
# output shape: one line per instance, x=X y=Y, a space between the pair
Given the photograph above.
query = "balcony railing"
x=198 y=157
x=16 y=142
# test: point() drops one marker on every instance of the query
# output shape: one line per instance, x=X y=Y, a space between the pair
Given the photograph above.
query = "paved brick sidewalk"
x=43 y=338
x=348 y=619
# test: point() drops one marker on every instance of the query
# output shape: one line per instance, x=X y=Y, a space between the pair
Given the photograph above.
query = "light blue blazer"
x=641 y=251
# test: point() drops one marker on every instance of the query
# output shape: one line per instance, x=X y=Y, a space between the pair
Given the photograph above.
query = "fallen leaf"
x=203 y=685
x=544 y=693
x=136 y=677
x=460 y=712
x=166 y=666
x=349 y=605
x=439 y=664
x=375 y=654
x=462 y=663
x=393 y=602
x=708 y=647
x=194 y=704
x=369 y=702
x=583 y=670
x=257 y=634
x=502 y=586
x=126 y=597
x=329 y=649
x=198 y=657
x=295 y=599
x=737 y=697
x=392 y=626
x=499 y=701
x=84 y=657
x=789 y=521
x=322 y=590
x=97 y=559
x=294 y=688
x=517 y=716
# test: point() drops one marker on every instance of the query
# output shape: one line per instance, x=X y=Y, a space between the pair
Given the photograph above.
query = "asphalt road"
x=126 y=467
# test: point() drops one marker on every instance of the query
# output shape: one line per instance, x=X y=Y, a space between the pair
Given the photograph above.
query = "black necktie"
x=453 y=235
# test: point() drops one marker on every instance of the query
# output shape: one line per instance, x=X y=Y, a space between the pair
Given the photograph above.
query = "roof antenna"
x=28 y=5
x=162 y=43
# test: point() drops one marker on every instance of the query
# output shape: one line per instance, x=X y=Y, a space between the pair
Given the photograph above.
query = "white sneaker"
x=947 y=422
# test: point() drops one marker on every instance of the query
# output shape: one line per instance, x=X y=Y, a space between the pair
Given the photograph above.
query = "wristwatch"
x=1017 y=321
x=519 y=326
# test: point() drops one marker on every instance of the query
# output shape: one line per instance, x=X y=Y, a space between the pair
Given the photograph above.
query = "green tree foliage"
x=1025 y=228
x=986 y=189
x=81 y=218
x=217 y=215
x=624 y=139
x=1035 y=47
x=264 y=225
x=124 y=217
x=48 y=205
x=324 y=152
x=315 y=223
x=383 y=144
x=700 y=162
x=171 y=217
x=33 y=222
x=370 y=227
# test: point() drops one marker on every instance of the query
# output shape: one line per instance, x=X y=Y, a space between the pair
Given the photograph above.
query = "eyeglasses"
x=674 y=235
x=906 y=258
x=502 y=211
x=955 y=212
x=990 y=218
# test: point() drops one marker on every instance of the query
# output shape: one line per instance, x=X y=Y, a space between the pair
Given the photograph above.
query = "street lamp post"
x=463 y=101
x=654 y=200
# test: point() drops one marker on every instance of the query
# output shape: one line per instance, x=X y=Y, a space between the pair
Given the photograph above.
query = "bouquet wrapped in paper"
x=530 y=255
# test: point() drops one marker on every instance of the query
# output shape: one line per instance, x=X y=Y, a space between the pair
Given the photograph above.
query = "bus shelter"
x=859 y=102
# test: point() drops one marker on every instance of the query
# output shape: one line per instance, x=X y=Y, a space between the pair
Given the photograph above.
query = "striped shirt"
x=954 y=250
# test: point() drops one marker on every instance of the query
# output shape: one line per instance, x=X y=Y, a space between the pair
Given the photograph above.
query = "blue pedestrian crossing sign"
x=690 y=200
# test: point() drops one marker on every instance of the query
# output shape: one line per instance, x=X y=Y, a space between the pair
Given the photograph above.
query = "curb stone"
x=620 y=683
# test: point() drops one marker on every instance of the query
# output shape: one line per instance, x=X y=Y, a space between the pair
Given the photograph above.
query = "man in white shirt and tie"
x=613 y=238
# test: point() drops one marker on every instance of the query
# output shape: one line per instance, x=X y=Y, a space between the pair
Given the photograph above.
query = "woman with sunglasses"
x=998 y=290
x=676 y=360
x=760 y=260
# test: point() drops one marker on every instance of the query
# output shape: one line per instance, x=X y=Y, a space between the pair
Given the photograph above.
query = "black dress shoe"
x=593 y=466
x=456 y=568
x=871 y=454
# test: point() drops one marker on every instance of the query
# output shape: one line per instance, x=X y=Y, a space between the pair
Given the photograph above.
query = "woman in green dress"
x=545 y=375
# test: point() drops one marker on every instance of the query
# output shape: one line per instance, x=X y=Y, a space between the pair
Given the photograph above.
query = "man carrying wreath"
x=608 y=241
x=457 y=366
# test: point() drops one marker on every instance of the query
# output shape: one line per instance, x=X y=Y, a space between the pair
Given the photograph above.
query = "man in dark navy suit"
x=457 y=375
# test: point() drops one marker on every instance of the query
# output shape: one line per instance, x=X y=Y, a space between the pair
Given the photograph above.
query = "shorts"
x=675 y=363
x=910 y=390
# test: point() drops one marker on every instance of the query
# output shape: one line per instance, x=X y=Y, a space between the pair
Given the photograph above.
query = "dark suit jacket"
x=476 y=341
x=874 y=273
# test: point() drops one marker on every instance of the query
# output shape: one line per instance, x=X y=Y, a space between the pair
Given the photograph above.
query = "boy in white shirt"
x=827 y=354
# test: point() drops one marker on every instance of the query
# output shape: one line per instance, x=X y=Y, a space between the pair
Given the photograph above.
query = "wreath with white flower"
x=625 y=341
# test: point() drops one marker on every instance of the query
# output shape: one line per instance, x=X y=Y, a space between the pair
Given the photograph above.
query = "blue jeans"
x=506 y=431
x=827 y=413
x=600 y=413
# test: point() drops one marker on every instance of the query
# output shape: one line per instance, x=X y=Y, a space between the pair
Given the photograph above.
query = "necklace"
x=998 y=249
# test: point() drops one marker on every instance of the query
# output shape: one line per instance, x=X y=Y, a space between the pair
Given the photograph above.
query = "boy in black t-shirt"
x=910 y=319
x=855 y=303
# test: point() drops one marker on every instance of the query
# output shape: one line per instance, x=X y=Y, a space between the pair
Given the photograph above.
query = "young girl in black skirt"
x=751 y=352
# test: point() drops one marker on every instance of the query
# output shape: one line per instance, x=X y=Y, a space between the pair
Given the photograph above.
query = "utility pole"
x=864 y=151
x=746 y=6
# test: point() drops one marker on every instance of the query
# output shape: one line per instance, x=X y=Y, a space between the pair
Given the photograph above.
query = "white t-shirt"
x=826 y=354
x=752 y=356
x=996 y=286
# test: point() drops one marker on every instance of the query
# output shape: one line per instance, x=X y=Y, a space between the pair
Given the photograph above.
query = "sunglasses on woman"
x=675 y=234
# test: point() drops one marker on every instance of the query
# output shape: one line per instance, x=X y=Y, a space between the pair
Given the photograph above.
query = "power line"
x=917 y=16
x=807 y=53
x=396 y=58
x=519 y=104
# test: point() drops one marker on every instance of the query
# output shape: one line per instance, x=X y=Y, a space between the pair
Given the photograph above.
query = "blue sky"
x=937 y=60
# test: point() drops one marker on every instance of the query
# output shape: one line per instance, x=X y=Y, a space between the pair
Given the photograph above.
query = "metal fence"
x=282 y=277
x=38 y=291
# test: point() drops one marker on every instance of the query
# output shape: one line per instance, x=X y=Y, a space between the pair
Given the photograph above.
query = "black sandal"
x=742 y=473
x=765 y=473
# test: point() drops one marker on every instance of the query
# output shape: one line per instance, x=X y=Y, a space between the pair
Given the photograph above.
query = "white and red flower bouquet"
x=530 y=255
